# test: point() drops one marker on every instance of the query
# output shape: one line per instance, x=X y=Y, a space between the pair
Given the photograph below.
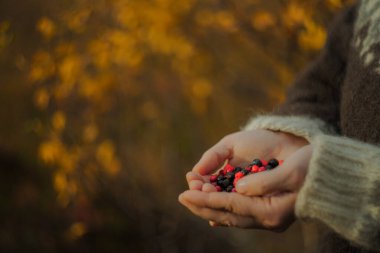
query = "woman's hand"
x=263 y=200
x=240 y=149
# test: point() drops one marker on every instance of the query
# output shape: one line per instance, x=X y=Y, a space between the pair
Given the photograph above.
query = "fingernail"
x=241 y=185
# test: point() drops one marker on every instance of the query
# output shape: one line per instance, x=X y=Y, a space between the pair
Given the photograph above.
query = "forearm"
x=342 y=189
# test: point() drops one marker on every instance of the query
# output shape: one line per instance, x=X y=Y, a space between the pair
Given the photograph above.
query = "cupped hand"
x=240 y=148
x=263 y=200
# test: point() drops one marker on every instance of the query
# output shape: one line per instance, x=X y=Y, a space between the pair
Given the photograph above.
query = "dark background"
x=105 y=105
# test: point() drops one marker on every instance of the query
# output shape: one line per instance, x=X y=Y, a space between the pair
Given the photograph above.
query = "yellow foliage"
x=201 y=89
x=294 y=15
x=77 y=230
x=76 y=20
x=334 y=4
x=90 y=133
x=313 y=37
x=69 y=69
x=221 y=19
x=60 y=182
x=41 y=98
x=263 y=20
x=106 y=157
x=46 y=27
x=50 y=150
x=59 y=120
x=42 y=67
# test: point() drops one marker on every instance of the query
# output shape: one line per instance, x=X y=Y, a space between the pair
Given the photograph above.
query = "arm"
x=312 y=104
x=342 y=189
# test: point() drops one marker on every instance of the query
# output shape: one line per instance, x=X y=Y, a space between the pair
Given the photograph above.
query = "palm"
x=240 y=149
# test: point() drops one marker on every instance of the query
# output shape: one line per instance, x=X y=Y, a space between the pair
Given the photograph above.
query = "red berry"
x=233 y=190
x=218 y=188
x=228 y=168
x=261 y=169
x=213 y=178
x=235 y=181
x=281 y=162
x=239 y=175
x=264 y=162
x=255 y=168
x=221 y=172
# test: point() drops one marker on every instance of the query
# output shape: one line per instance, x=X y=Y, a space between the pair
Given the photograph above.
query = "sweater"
x=334 y=104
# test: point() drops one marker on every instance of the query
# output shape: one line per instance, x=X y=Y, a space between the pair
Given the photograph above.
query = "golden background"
x=105 y=105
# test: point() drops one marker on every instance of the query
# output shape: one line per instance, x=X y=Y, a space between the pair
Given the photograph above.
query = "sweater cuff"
x=301 y=126
x=342 y=189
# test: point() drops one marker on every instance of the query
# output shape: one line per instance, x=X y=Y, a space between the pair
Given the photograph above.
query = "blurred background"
x=105 y=105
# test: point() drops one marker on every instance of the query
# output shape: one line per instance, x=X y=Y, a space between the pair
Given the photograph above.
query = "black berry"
x=238 y=169
x=229 y=188
x=230 y=176
x=268 y=167
x=273 y=162
x=245 y=172
x=256 y=162
x=225 y=183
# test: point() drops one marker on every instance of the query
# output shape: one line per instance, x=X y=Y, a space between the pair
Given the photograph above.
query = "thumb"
x=263 y=183
x=213 y=158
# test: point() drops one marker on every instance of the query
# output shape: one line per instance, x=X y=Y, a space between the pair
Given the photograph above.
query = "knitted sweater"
x=334 y=104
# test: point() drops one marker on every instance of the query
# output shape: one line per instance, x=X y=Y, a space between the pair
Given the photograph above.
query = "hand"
x=240 y=149
x=264 y=200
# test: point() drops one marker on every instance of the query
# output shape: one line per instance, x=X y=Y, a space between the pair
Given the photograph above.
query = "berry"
x=245 y=172
x=229 y=188
x=273 y=162
x=225 y=183
x=235 y=181
x=239 y=175
x=226 y=178
x=228 y=168
x=230 y=176
x=255 y=168
x=264 y=162
x=220 y=178
x=256 y=162
x=213 y=178
x=268 y=167
x=261 y=169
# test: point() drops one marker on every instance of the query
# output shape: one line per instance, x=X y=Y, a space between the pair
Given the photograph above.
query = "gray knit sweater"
x=335 y=105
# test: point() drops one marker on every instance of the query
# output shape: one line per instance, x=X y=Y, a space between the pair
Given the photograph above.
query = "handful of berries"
x=229 y=175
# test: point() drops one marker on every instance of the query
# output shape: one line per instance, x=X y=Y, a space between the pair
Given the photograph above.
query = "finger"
x=232 y=202
x=190 y=176
x=222 y=218
x=264 y=183
x=207 y=187
x=213 y=158
x=196 y=185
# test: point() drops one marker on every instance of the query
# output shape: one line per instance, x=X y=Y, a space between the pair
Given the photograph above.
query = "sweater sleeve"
x=342 y=189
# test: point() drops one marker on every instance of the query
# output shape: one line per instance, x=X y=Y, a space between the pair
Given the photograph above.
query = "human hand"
x=239 y=149
x=264 y=200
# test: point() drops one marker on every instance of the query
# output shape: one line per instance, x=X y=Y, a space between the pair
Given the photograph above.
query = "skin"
x=264 y=200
